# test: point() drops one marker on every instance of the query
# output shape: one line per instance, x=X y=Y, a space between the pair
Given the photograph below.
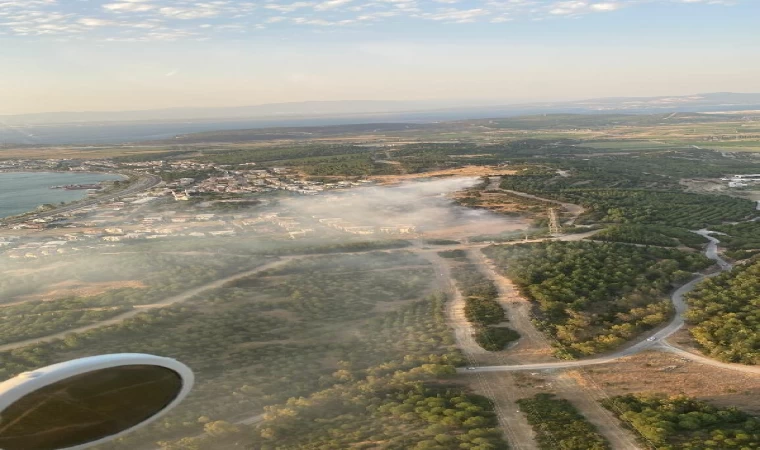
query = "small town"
x=174 y=207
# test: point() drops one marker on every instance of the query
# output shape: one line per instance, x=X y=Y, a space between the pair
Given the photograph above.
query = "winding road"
x=657 y=340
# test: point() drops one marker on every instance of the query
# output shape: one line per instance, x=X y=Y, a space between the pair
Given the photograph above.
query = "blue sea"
x=24 y=191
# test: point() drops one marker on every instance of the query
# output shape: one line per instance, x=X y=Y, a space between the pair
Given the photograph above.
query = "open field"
x=670 y=374
x=466 y=171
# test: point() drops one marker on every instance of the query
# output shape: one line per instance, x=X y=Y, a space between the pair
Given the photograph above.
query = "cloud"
x=94 y=22
x=199 y=11
x=143 y=20
x=289 y=7
x=330 y=4
x=129 y=6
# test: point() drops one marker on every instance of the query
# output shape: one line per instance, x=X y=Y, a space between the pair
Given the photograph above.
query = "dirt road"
x=183 y=297
x=656 y=340
x=574 y=210
x=585 y=396
x=533 y=345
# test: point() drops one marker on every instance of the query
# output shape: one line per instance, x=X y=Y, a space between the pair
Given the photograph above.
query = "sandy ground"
x=673 y=375
x=503 y=390
x=585 y=395
x=467 y=171
x=533 y=346
x=74 y=288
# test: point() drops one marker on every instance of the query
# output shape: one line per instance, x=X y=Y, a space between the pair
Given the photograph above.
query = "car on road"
x=650 y=339
x=470 y=368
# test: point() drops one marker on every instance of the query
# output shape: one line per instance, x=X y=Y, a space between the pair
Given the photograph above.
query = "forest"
x=683 y=423
x=559 y=425
x=593 y=297
x=724 y=314
x=659 y=235
x=643 y=189
x=403 y=402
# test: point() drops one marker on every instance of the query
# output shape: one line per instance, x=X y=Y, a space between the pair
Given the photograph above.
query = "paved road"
x=656 y=340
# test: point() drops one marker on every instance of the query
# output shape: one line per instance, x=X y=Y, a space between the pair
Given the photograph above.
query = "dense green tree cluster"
x=453 y=254
x=593 y=297
x=441 y=242
x=660 y=235
x=724 y=313
x=675 y=209
x=278 y=154
x=558 y=425
x=742 y=239
x=655 y=170
x=494 y=339
x=683 y=423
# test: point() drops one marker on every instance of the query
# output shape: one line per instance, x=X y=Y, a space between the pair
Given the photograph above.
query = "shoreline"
x=4 y=219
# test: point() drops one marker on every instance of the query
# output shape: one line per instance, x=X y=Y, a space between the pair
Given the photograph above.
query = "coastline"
x=59 y=199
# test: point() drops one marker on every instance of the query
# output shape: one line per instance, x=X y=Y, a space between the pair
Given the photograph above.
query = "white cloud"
x=288 y=7
x=330 y=4
x=140 y=20
x=129 y=6
x=198 y=12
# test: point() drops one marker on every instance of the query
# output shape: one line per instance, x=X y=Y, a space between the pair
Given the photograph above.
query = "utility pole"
x=554 y=226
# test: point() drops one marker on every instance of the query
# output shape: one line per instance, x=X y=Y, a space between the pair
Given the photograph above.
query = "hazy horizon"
x=122 y=55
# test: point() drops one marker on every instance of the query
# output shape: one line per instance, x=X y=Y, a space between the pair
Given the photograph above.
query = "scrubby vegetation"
x=453 y=254
x=679 y=422
x=161 y=276
x=308 y=326
x=558 y=425
x=403 y=402
x=724 y=314
x=592 y=297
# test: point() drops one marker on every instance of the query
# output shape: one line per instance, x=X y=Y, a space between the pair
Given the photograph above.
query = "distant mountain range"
x=363 y=111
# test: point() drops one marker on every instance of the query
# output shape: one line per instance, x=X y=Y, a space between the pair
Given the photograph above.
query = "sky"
x=93 y=55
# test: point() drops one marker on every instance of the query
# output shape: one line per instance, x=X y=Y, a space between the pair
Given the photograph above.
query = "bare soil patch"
x=467 y=171
x=673 y=375
x=72 y=288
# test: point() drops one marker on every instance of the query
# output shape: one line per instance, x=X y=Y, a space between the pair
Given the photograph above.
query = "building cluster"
x=158 y=213
x=736 y=181
x=349 y=227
